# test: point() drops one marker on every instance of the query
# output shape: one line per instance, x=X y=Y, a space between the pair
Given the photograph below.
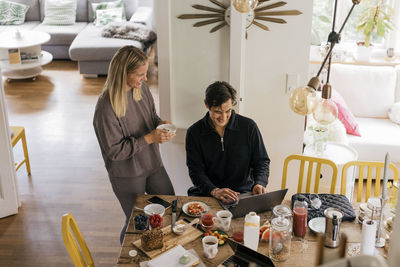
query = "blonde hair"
x=127 y=59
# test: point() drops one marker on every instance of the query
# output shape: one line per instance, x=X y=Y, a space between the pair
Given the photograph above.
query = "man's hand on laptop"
x=225 y=195
x=259 y=189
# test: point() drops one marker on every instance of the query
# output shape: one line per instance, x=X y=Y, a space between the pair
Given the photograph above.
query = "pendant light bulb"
x=245 y=6
x=326 y=110
x=303 y=100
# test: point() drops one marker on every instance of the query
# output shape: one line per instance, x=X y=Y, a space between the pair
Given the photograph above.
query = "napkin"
x=171 y=258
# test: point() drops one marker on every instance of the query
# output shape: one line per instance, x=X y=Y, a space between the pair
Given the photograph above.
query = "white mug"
x=223 y=220
x=210 y=246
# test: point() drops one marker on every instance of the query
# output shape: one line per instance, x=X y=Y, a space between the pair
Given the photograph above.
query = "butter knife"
x=173 y=216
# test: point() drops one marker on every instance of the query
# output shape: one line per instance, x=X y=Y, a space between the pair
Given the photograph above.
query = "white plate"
x=317 y=225
x=169 y=127
x=186 y=206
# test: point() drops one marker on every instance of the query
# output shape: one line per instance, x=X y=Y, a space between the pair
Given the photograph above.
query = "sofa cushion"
x=107 y=6
x=28 y=25
x=90 y=46
x=394 y=113
x=344 y=114
x=12 y=13
x=33 y=13
x=368 y=90
x=397 y=92
x=61 y=35
x=59 y=12
x=378 y=136
x=81 y=10
x=129 y=6
x=106 y=16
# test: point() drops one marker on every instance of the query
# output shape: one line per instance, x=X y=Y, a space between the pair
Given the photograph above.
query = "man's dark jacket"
x=237 y=161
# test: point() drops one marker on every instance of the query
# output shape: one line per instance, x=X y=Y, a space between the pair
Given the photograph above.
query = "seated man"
x=225 y=152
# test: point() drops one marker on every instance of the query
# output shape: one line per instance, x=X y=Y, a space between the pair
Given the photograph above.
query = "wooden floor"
x=68 y=173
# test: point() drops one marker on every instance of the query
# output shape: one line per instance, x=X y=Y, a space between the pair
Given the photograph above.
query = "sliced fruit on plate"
x=263 y=228
x=222 y=236
x=265 y=235
x=266 y=223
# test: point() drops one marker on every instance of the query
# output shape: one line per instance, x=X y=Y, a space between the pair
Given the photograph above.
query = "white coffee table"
x=340 y=154
x=25 y=40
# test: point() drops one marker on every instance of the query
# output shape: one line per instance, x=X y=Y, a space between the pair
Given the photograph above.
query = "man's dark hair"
x=218 y=93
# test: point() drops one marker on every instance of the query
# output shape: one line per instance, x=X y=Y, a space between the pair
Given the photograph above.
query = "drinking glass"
x=300 y=213
x=237 y=232
x=207 y=220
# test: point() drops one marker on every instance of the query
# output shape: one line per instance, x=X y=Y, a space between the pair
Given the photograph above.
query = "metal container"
x=332 y=227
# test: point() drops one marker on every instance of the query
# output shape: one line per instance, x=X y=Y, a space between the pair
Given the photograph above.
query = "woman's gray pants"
x=127 y=188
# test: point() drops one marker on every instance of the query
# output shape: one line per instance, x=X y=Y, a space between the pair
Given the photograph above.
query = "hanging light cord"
x=334 y=37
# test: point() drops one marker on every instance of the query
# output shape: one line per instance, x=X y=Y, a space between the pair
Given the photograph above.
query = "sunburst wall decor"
x=221 y=15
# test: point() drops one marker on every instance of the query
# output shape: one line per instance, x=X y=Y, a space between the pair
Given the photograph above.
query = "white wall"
x=192 y=58
x=9 y=198
x=269 y=56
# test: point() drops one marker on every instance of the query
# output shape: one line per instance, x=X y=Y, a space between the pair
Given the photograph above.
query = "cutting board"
x=171 y=240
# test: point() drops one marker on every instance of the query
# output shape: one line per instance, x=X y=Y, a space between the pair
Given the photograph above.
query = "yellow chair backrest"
x=69 y=230
x=311 y=161
x=371 y=166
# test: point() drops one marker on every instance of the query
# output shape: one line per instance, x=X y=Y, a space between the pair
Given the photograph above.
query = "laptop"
x=257 y=203
x=245 y=257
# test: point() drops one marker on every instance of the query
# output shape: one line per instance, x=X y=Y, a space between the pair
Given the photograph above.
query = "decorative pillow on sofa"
x=12 y=13
x=344 y=114
x=108 y=5
x=106 y=16
x=394 y=113
x=59 y=12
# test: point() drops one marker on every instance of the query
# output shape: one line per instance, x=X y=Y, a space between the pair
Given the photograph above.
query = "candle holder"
x=380 y=241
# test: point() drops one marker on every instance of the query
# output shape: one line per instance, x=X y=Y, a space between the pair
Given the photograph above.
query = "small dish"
x=317 y=225
x=185 y=208
x=179 y=229
x=170 y=127
x=221 y=235
x=154 y=209
x=140 y=223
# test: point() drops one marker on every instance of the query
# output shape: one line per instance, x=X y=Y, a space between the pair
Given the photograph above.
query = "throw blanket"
x=130 y=30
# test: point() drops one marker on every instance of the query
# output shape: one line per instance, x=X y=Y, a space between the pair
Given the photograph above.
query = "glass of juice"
x=300 y=218
x=207 y=220
x=238 y=233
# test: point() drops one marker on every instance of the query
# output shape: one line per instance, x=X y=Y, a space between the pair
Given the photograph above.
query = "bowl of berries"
x=155 y=221
x=152 y=209
x=141 y=222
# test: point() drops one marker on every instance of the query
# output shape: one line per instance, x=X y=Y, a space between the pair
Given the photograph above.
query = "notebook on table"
x=257 y=203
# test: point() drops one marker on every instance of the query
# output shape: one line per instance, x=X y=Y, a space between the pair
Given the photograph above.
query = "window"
x=323 y=15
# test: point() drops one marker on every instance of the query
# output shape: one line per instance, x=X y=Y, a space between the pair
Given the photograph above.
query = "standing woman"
x=125 y=122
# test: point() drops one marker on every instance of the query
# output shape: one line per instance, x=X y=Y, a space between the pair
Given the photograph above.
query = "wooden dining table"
x=303 y=252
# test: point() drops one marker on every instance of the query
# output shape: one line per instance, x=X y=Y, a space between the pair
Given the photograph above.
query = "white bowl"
x=154 y=209
x=170 y=127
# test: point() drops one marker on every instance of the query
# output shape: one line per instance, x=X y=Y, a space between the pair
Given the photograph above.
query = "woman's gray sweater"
x=123 y=146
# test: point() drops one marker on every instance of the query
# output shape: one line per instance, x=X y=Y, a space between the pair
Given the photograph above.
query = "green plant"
x=376 y=18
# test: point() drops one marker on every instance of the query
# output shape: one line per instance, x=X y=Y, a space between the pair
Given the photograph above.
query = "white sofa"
x=369 y=91
x=81 y=41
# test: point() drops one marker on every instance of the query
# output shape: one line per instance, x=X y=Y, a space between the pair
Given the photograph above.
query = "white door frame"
x=9 y=200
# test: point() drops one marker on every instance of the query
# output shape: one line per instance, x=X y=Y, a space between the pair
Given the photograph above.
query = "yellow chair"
x=371 y=166
x=310 y=161
x=19 y=134
x=79 y=260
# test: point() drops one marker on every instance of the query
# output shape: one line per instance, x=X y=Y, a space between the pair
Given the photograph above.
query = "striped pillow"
x=108 y=5
x=59 y=12
x=12 y=13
